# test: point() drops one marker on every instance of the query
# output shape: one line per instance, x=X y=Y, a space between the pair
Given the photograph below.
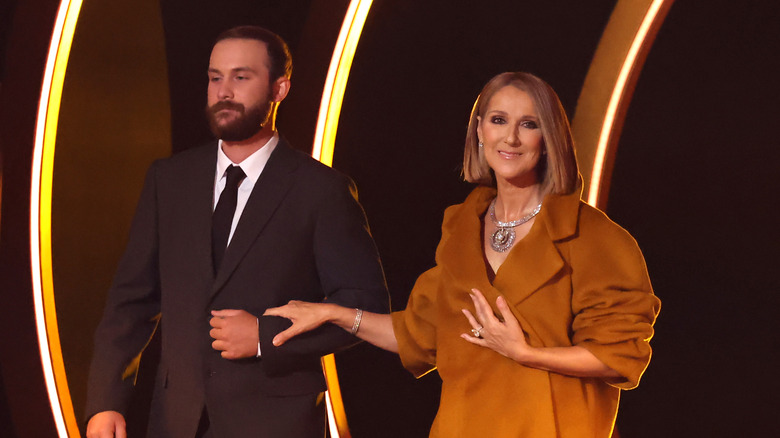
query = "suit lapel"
x=196 y=204
x=269 y=191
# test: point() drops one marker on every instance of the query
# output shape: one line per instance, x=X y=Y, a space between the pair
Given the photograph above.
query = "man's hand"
x=107 y=424
x=234 y=332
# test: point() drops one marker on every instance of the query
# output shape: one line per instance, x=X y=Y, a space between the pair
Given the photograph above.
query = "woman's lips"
x=509 y=154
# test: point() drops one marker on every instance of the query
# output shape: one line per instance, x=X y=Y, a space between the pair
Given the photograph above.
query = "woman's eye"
x=530 y=124
x=497 y=120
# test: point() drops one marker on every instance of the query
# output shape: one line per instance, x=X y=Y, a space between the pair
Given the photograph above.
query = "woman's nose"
x=511 y=137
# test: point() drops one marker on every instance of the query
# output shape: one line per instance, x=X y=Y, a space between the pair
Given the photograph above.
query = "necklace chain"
x=504 y=237
x=512 y=224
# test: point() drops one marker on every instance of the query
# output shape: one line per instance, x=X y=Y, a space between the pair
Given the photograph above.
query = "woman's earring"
x=480 y=144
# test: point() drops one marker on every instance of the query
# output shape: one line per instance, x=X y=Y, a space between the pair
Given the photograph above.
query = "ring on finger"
x=476 y=332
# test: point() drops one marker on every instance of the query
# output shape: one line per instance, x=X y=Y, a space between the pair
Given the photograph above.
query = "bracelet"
x=356 y=324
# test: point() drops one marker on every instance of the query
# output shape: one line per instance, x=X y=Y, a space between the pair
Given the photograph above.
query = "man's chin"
x=236 y=135
x=235 y=126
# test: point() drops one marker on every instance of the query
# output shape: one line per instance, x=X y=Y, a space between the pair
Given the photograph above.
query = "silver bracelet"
x=356 y=324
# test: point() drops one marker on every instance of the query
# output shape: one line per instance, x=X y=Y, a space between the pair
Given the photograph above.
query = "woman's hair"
x=558 y=168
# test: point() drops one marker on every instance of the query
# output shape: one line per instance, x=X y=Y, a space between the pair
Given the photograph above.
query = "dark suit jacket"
x=302 y=235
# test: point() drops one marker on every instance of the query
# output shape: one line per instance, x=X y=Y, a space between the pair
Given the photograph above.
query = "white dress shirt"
x=252 y=166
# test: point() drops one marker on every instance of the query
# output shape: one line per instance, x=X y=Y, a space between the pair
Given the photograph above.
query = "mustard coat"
x=577 y=278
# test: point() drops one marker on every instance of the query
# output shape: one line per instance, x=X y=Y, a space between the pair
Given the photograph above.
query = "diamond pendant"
x=502 y=239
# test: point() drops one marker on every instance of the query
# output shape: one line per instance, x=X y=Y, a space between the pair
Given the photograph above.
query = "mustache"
x=226 y=104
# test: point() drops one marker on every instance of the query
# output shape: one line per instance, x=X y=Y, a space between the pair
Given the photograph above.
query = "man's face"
x=240 y=96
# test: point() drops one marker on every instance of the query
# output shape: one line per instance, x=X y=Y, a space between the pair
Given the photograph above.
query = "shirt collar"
x=253 y=165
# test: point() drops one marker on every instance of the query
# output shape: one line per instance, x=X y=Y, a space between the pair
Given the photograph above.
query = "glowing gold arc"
x=322 y=150
x=608 y=88
x=336 y=81
x=618 y=93
x=40 y=220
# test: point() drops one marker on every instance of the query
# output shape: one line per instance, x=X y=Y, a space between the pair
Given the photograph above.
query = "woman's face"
x=511 y=136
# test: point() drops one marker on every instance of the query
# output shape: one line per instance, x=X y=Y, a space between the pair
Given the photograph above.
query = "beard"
x=248 y=122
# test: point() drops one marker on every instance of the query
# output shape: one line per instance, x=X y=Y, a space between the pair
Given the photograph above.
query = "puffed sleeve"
x=613 y=300
x=415 y=327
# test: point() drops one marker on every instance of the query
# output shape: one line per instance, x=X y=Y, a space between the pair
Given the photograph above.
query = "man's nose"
x=225 y=91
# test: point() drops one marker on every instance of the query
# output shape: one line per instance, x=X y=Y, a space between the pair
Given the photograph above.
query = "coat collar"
x=269 y=191
x=531 y=263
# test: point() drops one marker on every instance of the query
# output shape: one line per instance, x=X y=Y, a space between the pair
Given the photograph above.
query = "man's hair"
x=558 y=167
x=278 y=52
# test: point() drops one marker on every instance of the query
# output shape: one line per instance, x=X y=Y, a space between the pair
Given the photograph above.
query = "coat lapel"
x=460 y=250
x=531 y=263
x=535 y=260
x=269 y=191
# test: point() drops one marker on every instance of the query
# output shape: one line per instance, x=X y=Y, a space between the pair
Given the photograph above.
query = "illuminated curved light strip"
x=336 y=81
x=40 y=219
x=322 y=150
x=615 y=99
x=337 y=416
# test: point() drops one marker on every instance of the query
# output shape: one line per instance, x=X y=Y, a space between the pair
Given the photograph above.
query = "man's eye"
x=214 y=79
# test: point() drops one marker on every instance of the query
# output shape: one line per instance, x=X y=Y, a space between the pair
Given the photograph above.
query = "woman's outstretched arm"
x=374 y=328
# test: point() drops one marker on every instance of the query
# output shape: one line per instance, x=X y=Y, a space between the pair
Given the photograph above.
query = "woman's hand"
x=503 y=335
x=375 y=328
x=305 y=317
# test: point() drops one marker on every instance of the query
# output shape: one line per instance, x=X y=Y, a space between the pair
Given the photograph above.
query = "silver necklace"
x=504 y=237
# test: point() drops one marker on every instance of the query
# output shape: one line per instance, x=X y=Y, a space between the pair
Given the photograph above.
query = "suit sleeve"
x=131 y=313
x=613 y=301
x=350 y=275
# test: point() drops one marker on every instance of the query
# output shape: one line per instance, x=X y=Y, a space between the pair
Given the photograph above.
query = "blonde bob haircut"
x=558 y=170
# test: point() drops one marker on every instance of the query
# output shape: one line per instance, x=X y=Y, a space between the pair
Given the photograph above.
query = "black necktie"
x=222 y=219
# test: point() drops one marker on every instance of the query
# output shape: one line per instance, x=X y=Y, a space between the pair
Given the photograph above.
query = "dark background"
x=695 y=179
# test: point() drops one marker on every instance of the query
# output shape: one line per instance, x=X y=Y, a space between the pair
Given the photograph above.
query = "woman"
x=539 y=309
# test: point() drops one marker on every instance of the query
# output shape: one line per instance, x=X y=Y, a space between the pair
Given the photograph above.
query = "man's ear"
x=281 y=87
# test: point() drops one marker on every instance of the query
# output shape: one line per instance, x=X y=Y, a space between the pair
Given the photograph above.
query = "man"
x=211 y=247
